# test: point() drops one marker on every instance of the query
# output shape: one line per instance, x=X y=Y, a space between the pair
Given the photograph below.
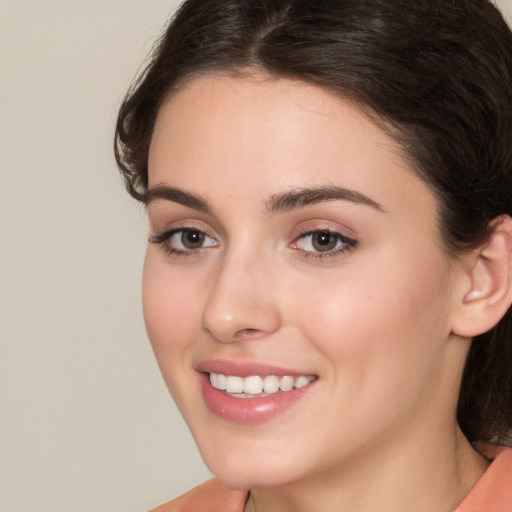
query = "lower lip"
x=249 y=410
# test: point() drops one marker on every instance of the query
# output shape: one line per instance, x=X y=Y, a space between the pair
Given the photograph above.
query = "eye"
x=184 y=241
x=188 y=239
x=323 y=242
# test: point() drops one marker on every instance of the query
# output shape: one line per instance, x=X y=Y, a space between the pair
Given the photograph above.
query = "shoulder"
x=212 y=496
x=493 y=493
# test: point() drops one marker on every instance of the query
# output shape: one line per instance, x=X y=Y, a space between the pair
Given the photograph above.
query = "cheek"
x=169 y=308
x=381 y=321
x=171 y=312
x=382 y=336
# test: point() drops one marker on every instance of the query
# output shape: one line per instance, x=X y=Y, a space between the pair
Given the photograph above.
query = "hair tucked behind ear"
x=436 y=73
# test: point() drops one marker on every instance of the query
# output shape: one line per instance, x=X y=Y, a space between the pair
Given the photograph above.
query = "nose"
x=241 y=304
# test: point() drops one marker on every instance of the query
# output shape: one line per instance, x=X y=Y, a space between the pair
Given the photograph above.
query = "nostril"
x=248 y=333
x=229 y=315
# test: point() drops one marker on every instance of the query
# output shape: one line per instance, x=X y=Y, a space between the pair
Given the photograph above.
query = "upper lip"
x=246 y=368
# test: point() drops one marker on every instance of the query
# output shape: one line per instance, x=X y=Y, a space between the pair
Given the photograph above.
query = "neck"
x=424 y=477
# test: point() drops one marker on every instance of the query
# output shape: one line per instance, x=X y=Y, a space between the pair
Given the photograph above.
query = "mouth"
x=252 y=393
x=256 y=386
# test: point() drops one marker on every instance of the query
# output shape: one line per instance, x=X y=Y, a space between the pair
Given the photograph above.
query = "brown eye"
x=323 y=241
x=192 y=239
x=184 y=241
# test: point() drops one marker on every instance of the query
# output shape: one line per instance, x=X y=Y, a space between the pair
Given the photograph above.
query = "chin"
x=239 y=470
x=251 y=477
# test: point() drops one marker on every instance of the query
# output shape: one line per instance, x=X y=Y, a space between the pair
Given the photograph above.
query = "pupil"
x=324 y=238
x=324 y=241
x=192 y=239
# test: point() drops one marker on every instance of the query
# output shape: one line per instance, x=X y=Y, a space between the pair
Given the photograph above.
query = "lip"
x=246 y=369
x=248 y=410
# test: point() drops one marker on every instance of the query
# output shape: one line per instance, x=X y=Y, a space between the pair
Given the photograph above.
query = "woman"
x=327 y=283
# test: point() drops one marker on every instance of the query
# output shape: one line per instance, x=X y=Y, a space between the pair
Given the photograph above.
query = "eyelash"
x=164 y=238
x=348 y=244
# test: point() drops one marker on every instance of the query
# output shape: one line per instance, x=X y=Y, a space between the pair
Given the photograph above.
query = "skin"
x=373 y=323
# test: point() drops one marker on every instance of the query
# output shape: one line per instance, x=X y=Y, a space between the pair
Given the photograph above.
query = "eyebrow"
x=278 y=203
x=287 y=201
x=177 y=196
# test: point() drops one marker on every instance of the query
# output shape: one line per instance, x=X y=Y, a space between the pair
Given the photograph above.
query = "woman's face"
x=291 y=245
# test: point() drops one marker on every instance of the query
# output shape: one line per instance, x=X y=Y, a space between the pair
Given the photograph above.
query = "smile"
x=256 y=386
x=258 y=395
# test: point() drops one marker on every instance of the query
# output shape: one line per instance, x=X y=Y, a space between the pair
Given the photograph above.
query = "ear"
x=487 y=290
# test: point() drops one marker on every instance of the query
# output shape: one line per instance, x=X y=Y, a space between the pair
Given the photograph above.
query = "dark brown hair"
x=437 y=74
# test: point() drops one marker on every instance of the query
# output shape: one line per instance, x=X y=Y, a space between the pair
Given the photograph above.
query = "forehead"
x=263 y=135
x=259 y=95
x=263 y=110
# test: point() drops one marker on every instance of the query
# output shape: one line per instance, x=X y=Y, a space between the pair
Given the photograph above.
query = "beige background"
x=85 y=421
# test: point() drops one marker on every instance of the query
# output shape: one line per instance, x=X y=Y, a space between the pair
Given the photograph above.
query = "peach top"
x=492 y=493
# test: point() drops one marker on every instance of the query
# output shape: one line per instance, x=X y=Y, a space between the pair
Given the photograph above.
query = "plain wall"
x=86 y=423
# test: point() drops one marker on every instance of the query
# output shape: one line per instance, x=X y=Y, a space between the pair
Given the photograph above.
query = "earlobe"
x=490 y=290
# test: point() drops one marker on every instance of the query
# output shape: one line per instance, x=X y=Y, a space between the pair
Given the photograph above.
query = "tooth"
x=286 y=383
x=270 y=384
x=234 y=384
x=302 y=381
x=221 y=381
x=253 y=385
